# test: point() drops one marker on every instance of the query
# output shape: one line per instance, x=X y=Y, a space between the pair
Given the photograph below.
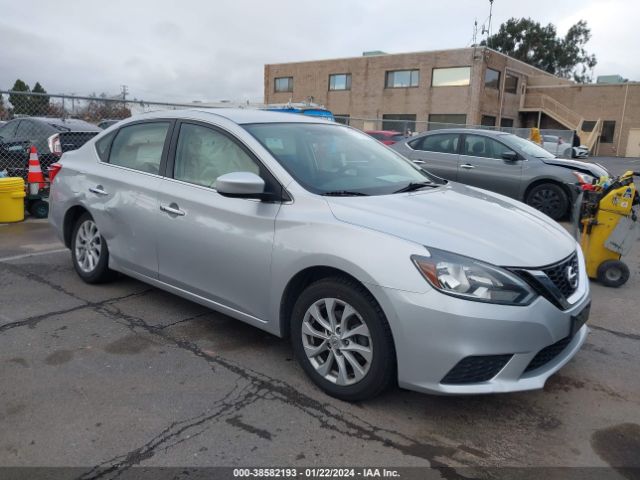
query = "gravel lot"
x=127 y=375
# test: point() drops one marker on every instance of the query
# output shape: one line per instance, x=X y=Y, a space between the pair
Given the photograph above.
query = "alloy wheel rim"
x=88 y=246
x=547 y=201
x=337 y=341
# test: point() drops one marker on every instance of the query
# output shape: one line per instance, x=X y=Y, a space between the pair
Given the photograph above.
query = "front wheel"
x=613 y=273
x=89 y=252
x=342 y=339
x=550 y=199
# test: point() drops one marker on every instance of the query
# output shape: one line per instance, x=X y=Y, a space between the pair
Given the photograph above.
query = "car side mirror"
x=240 y=185
x=510 y=155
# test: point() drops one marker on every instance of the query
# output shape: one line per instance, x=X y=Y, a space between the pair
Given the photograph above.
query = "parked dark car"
x=51 y=136
x=503 y=163
x=104 y=124
x=388 y=137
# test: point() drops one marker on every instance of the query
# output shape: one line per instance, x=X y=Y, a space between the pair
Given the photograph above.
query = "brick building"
x=472 y=86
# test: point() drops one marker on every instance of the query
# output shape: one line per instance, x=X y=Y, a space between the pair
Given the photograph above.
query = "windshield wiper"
x=344 y=193
x=416 y=186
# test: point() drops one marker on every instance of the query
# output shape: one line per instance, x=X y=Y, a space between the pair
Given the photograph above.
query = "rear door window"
x=140 y=146
x=441 y=143
x=25 y=130
x=8 y=131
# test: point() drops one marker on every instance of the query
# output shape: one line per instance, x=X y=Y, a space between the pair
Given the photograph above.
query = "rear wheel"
x=550 y=199
x=613 y=273
x=342 y=339
x=90 y=252
x=39 y=209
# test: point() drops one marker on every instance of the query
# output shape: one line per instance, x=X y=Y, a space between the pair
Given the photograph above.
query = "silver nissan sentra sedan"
x=378 y=271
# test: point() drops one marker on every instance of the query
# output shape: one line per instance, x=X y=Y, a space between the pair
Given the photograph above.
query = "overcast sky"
x=212 y=50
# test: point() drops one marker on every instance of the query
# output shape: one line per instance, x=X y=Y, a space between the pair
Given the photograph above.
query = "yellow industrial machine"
x=609 y=227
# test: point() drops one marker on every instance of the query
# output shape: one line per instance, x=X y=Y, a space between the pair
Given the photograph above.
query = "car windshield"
x=526 y=146
x=332 y=159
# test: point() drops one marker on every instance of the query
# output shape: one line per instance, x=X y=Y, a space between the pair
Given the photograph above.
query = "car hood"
x=583 y=167
x=464 y=220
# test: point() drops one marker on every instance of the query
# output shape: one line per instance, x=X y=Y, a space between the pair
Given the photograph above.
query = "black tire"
x=381 y=372
x=39 y=209
x=100 y=273
x=613 y=273
x=550 y=199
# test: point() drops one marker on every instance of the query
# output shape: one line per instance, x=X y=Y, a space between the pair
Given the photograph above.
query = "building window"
x=492 y=78
x=445 y=120
x=402 y=79
x=608 y=129
x=506 y=122
x=342 y=118
x=451 y=77
x=511 y=83
x=488 y=121
x=340 y=81
x=588 y=125
x=284 y=84
x=399 y=122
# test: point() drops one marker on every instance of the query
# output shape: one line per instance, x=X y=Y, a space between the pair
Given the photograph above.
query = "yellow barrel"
x=11 y=199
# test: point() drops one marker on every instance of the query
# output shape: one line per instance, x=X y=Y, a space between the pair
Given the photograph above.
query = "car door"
x=121 y=193
x=437 y=153
x=481 y=164
x=213 y=246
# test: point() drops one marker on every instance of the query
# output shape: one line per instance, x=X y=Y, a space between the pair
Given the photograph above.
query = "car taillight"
x=54 y=145
x=54 y=168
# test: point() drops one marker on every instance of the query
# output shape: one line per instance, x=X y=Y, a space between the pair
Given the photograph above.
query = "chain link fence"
x=557 y=142
x=55 y=124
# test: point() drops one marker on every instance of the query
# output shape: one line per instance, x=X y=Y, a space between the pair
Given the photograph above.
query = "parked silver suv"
x=503 y=163
x=376 y=270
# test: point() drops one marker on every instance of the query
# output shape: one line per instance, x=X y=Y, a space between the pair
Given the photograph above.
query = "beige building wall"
x=369 y=99
x=604 y=101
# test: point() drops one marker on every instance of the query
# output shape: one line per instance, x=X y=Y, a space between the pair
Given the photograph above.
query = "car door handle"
x=173 y=209
x=468 y=166
x=419 y=162
x=98 y=190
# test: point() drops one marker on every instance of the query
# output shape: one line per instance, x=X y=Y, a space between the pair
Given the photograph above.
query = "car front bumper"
x=433 y=332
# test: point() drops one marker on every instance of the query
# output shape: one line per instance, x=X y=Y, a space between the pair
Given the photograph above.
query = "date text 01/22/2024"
x=315 y=473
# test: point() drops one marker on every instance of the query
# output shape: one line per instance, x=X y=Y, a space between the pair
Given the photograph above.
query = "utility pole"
x=125 y=92
x=474 y=41
x=489 y=28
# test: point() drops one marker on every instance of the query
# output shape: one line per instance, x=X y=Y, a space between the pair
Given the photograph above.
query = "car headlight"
x=583 y=178
x=472 y=279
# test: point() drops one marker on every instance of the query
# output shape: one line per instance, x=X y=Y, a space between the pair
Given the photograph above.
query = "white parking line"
x=34 y=254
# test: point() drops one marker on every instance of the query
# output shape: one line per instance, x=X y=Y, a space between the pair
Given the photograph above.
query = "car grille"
x=558 y=275
x=476 y=369
x=547 y=354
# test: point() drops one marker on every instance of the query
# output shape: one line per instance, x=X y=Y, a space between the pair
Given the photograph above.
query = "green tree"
x=21 y=103
x=3 y=110
x=540 y=46
x=39 y=104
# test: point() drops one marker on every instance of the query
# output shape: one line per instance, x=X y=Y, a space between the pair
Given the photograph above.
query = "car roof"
x=481 y=131
x=390 y=132
x=64 y=124
x=237 y=115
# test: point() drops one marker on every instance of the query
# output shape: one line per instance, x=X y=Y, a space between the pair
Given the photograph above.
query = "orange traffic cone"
x=35 y=178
